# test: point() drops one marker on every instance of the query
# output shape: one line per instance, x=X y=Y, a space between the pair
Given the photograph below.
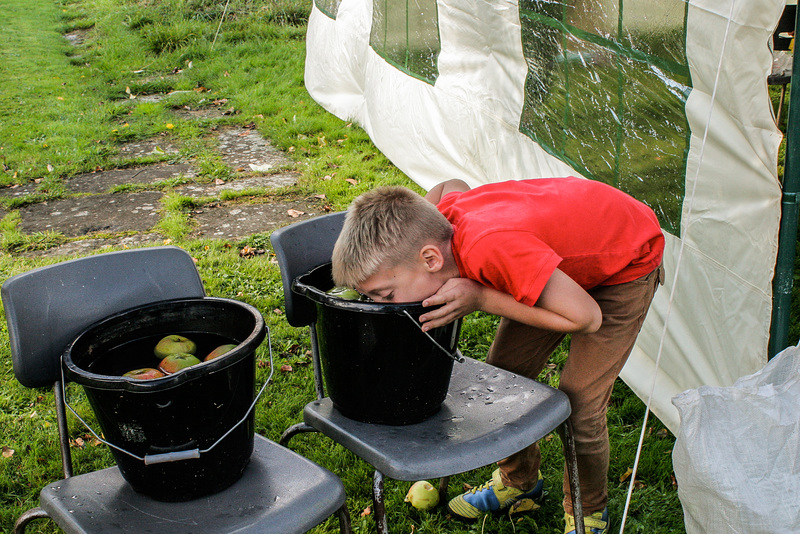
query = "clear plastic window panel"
x=606 y=88
x=406 y=34
x=329 y=7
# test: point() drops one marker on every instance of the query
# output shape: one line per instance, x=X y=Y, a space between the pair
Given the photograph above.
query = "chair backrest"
x=299 y=248
x=48 y=307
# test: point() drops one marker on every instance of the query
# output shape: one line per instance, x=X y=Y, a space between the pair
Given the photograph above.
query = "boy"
x=550 y=257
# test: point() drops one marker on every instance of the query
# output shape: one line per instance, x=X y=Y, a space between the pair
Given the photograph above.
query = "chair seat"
x=488 y=415
x=280 y=492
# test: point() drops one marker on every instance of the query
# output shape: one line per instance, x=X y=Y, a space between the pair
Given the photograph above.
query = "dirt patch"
x=75 y=217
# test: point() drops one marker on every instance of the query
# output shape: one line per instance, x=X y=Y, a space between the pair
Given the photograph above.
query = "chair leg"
x=444 y=482
x=572 y=472
x=27 y=517
x=378 y=503
x=293 y=430
x=344 y=520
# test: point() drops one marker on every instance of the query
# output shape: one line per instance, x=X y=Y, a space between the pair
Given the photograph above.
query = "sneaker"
x=597 y=523
x=491 y=496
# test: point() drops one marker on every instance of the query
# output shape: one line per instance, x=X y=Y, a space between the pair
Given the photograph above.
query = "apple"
x=174 y=344
x=422 y=495
x=147 y=373
x=345 y=293
x=175 y=362
x=219 y=351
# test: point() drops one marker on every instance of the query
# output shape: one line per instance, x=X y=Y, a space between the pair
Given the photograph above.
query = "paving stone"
x=236 y=221
x=256 y=182
x=102 y=181
x=150 y=147
x=15 y=191
x=74 y=217
x=245 y=150
x=82 y=247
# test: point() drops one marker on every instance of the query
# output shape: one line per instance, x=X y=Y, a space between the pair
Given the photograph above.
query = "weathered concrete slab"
x=245 y=150
x=17 y=191
x=84 y=246
x=236 y=221
x=104 y=181
x=148 y=147
x=74 y=217
x=258 y=182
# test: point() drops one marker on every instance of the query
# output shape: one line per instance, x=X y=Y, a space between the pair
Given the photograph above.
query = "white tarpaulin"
x=668 y=101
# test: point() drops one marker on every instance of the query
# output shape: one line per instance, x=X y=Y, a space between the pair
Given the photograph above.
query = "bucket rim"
x=317 y=295
x=86 y=378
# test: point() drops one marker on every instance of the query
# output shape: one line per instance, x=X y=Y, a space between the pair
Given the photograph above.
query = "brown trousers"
x=594 y=363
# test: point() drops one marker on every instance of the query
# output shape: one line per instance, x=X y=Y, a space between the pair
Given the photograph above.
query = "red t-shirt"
x=511 y=236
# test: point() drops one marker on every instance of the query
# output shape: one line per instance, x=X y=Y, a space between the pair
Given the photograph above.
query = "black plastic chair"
x=46 y=309
x=488 y=414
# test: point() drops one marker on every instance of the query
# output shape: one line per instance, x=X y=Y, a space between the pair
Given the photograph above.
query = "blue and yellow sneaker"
x=491 y=496
x=597 y=523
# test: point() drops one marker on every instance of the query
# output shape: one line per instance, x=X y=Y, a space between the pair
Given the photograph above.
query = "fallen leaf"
x=8 y=452
x=367 y=511
x=321 y=197
x=286 y=368
x=219 y=181
x=351 y=181
x=49 y=168
x=295 y=213
x=626 y=475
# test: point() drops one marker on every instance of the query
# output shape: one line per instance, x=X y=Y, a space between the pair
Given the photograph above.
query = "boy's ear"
x=432 y=257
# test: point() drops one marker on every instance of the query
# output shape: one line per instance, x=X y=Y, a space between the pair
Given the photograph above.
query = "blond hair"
x=384 y=228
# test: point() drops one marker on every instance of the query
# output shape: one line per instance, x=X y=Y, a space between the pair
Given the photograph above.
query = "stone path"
x=99 y=212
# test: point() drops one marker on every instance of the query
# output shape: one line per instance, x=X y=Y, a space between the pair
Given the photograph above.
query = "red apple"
x=174 y=344
x=147 y=373
x=219 y=351
x=175 y=362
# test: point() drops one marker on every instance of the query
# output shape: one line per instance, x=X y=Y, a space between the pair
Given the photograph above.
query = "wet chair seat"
x=488 y=413
x=46 y=309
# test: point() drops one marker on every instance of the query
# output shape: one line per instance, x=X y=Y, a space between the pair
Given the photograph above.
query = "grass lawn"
x=67 y=108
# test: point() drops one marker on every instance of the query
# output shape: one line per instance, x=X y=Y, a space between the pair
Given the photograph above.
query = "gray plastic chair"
x=488 y=414
x=46 y=309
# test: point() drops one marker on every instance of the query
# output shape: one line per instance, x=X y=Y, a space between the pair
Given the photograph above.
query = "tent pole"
x=787 y=238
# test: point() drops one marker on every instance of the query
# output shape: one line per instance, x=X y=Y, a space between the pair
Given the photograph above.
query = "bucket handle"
x=457 y=357
x=190 y=454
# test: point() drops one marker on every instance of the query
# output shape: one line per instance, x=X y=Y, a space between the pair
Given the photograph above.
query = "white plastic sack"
x=737 y=455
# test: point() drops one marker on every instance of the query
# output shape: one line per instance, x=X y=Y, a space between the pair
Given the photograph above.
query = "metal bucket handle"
x=457 y=357
x=150 y=459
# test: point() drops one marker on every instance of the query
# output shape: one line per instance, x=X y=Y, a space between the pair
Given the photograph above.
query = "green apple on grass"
x=174 y=344
x=422 y=495
x=176 y=362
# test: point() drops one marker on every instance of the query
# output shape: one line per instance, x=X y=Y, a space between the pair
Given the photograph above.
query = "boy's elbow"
x=593 y=322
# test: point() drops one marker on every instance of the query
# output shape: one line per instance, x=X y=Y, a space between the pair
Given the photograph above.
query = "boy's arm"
x=440 y=190
x=563 y=305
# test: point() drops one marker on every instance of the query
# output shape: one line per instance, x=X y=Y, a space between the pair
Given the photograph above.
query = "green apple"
x=147 y=373
x=345 y=293
x=175 y=362
x=422 y=495
x=174 y=344
x=219 y=351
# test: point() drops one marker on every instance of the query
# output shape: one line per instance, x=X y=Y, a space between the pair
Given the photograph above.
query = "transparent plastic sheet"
x=737 y=456
x=661 y=99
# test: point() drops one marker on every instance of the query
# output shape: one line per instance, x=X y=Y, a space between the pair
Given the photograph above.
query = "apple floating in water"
x=345 y=293
x=146 y=373
x=176 y=362
x=219 y=351
x=422 y=495
x=174 y=344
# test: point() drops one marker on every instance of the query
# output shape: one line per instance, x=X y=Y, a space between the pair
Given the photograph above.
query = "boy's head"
x=386 y=228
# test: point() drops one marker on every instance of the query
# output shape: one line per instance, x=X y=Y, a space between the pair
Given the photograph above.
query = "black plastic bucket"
x=183 y=415
x=377 y=363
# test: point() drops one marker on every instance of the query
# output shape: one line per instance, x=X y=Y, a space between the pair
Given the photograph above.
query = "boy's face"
x=402 y=283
